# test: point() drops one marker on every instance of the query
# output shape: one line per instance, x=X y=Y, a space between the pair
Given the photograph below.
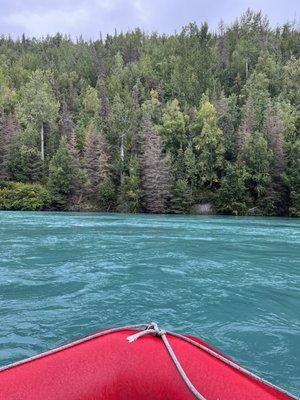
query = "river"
x=233 y=281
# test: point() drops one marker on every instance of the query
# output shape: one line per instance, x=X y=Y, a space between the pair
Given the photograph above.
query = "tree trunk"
x=42 y=143
x=122 y=158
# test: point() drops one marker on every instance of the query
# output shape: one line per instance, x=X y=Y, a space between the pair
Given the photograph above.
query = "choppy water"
x=235 y=282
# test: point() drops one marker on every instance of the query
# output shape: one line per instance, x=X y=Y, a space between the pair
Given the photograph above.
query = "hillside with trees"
x=153 y=123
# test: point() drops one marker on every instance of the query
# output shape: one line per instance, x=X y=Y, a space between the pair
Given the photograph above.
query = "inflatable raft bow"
x=114 y=365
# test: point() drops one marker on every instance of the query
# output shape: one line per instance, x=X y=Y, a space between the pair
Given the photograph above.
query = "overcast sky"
x=89 y=17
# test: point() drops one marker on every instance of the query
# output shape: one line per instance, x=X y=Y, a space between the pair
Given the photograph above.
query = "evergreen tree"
x=257 y=89
x=152 y=108
x=97 y=167
x=24 y=162
x=119 y=136
x=155 y=170
x=232 y=196
x=136 y=116
x=61 y=175
x=98 y=94
x=291 y=79
x=208 y=143
x=181 y=197
x=190 y=166
x=133 y=187
x=91 y=163
x=80 y=182
x=227 y=119
x=292 y=178
x=274 y=130
x=104 y=107
x=174 y=126
x=67 y=125
x=258 y=159
x=246 y=128
x=8 y=131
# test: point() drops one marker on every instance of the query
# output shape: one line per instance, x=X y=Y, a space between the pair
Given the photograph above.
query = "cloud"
x=89 y=17
x=48 y=21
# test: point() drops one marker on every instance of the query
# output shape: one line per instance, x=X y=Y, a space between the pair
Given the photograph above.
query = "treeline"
x=153 y=123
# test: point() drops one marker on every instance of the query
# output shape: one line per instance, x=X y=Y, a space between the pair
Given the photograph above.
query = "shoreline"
x=150 y=214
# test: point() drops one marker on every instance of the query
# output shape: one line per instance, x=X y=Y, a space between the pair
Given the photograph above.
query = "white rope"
x=79 y=341
x=232 y=364
x=153 y=329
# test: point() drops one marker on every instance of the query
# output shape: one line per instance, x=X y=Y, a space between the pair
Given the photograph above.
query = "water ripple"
x=235 y=282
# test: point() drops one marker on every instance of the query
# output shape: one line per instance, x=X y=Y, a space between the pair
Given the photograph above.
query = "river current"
x=235 y=282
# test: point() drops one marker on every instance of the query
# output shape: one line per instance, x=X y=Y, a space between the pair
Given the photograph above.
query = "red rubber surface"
x=111 y=368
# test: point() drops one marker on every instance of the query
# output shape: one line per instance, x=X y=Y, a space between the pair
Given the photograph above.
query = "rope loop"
x=158 y=332
x=153 y=329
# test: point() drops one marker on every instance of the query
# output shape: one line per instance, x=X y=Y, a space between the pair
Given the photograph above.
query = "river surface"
x=235 y=282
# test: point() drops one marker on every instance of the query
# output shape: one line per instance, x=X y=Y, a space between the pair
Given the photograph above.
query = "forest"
x=156 y=123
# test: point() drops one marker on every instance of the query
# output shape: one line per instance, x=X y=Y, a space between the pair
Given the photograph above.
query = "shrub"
x=24 y=196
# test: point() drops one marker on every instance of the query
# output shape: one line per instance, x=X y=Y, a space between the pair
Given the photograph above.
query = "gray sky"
x=89 y=17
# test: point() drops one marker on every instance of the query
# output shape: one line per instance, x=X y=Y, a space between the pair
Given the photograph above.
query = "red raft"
x=158 y=366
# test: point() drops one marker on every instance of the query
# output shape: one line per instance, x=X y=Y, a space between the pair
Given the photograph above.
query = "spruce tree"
x=258 y=159
x=155 y=170
x=133 y=190
x=181 y=197
x=67 y=124
x=97 y=167
x=8 y=132
x=104 y=108
x=246 y=128
x=227 y=119
x=61 y=175
x=232 y=196
x=24 y=161
x=257 y=89
x=277 y=193
x=292 y=178
x=174 y=126
x=209 y=144
x=136 y=117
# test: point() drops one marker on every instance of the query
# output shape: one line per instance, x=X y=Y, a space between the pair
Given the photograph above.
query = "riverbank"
x=16 y=196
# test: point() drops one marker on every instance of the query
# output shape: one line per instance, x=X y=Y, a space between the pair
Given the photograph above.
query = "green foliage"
x=107 y=194
x=156 y=122
x=292 y=178
x=61 y=176
x=24 y=197
x=90 y=102
x=258 y=158
x=37 y=104
x=174 y=126
x=133 y=186
x=180 y=197
x=190 y=165
x=257 y=88
x=232 y=194
x=227 y=111
x=208 y=143
x=291 y=80
x=24 y=163
x=152 y=107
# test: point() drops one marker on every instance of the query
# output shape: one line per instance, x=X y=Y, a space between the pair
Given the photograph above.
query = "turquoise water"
x=235 y=282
